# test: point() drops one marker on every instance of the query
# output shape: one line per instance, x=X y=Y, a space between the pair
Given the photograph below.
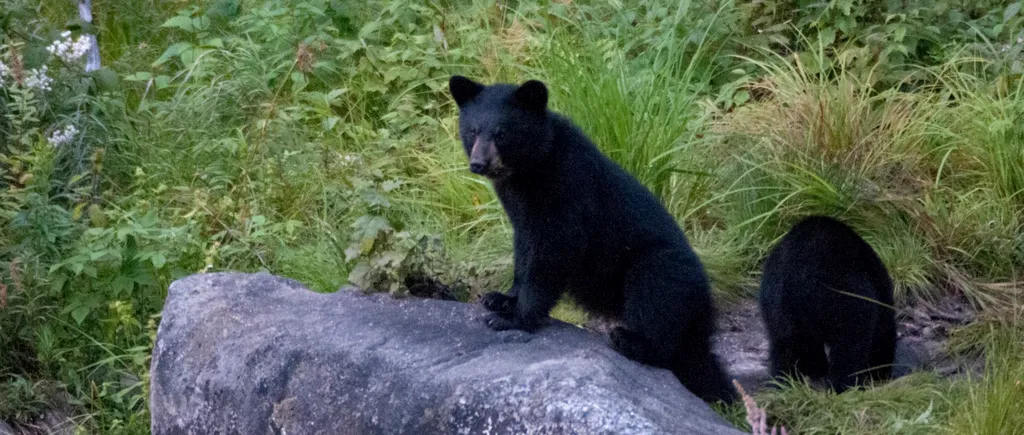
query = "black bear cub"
x=584 y=225
x=823 y=286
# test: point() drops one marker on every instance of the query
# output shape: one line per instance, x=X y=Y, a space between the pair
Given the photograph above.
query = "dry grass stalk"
x=756 y=416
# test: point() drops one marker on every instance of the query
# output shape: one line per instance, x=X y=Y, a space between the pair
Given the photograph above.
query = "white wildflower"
x=38 y=79
x=349 y=159
x=67 y=50
x=4 y=71
x=62 y=136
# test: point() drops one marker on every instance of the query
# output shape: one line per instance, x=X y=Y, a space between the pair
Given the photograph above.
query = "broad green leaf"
x=79 y=314
x=200 y=23
x=58 y=282
x=741 y=97
x=332 y=97
x=330 y=122
x=1011 y=11
x=214 y=42
x=358 y=275
x=172 y=51
x=145 y=279
x=369 y=28
x=298 y=81
x=158 y=260
x=827 y=36
x=366 y=245
x=138 y=77
x=122 y=285
x=900 y=33
x=89 y=271
x=106 y=79
x=182 y=22
x=188 y=57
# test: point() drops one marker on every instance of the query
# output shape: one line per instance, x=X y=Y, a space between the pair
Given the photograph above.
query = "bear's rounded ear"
x=532 y=95
x=463 y=90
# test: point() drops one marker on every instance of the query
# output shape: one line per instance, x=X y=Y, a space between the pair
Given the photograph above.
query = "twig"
x=756 y=416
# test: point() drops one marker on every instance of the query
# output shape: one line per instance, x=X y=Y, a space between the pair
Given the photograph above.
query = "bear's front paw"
x=499 y=323
x=499 y=303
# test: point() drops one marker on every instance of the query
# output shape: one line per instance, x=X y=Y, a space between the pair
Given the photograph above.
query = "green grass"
x=990 y=403
x=908 y=405
x=568 y=312
x=644 y=118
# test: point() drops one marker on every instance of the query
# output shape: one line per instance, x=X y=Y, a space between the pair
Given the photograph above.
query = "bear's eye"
x=497 y=134
x=473 y=131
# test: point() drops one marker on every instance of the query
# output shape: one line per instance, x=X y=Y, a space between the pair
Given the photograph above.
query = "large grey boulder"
x=257 y=354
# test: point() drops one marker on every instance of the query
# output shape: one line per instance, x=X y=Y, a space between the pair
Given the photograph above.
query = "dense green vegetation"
x=315 y=139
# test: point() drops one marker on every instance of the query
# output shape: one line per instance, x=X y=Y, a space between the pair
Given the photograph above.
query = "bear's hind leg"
x=656 y=312
x=797 y=355
x=849 y=364
x=669 y=321
x=883 y=346
x=699 y=370
x=812 y=362
x=632 y=345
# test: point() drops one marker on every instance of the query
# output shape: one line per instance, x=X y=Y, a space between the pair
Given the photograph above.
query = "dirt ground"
x=922 y=331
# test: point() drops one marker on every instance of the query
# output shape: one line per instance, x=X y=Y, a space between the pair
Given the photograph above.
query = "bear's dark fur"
x=584 y=225
x=822 y=286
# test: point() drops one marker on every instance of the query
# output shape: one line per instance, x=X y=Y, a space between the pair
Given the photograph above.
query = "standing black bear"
x=824 y=286
x=584 y=225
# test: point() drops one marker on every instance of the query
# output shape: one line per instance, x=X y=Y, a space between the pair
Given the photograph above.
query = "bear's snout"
x=484 y=159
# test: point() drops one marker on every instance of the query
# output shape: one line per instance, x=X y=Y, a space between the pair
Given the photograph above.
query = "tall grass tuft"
x=991 y=403
x=976 y=207
x=909 y=405
x=984 y=126
x=641 y=105
x=822 y=140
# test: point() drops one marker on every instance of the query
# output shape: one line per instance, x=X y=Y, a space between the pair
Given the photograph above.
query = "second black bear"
x=823 y=286
x=584 y=225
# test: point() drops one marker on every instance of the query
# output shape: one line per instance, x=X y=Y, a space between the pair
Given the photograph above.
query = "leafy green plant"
x=884 y=37
x=82 y=268
x=385 y=256
x=20 y=400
